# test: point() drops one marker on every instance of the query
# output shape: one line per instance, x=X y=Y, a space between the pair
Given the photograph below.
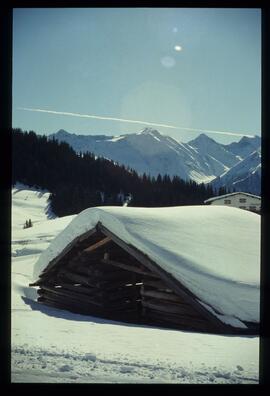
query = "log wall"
x=97 y=277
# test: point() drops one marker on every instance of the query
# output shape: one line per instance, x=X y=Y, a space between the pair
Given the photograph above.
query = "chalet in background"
x=239 y=200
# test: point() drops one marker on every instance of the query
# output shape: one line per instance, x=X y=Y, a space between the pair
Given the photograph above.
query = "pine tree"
x=28 y=224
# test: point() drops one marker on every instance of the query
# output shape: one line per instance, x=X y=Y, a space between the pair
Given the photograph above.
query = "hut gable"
x=103 y=272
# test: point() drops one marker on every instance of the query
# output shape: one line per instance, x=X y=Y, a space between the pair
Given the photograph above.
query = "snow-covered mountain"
x=216 y=155
x=148 y=151
x=245 y=146
x=244 y=176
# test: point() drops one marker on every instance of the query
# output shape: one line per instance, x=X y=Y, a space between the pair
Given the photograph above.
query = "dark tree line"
x=79 y=181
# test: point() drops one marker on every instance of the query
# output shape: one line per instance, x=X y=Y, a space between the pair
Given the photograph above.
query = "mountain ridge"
x=148 y=151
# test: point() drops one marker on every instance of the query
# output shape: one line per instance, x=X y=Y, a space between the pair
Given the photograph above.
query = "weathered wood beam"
x=173 y=284
x=87 y=291
x=159 y=295
x=54 y=262
x=129 y=268
x=156 y=284
x=70 y=305
x=97 y=245
x=70 y=295
x=164 y=307
x=127 y=316
x=182 y=323
x=44 y=278
x=75 y=278
x=105 y=295
x=118 y=301
x=94 y=278
x=96 y=272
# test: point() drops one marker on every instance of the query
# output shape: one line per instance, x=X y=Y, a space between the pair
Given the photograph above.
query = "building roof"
x=230 y=195
x=213 y=251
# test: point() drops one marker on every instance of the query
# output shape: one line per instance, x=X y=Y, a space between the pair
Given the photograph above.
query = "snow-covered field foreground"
x=51 y=345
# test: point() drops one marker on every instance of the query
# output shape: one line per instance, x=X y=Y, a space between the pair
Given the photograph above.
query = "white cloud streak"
x=145 y=123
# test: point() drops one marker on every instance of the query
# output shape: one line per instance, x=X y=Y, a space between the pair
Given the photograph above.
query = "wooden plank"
x=173 y=284
x=127 y=267
x=56 y=304
x=118 y=303
x=184 y=323
x=120 y=294
x=100 y=284
x=156 y=284
x=110 y=276
x=97 y=245
x=70 y=306
x=109 y=286
x=159 y=295
x=90 y=280
x=44 y=278
x=170 y=307
x=75 y=278
x=70 y=295
x=105 y=295
x=127 y=316
x=84 y=290
x=100 y=272
x=57 y=260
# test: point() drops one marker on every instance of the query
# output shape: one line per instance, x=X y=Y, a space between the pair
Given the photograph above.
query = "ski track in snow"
x=54 y=346
x=87 y=368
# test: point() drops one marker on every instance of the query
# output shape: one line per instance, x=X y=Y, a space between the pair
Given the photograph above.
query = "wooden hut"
x=99 y=274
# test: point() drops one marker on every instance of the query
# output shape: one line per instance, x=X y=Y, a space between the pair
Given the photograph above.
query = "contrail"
x=134 y=122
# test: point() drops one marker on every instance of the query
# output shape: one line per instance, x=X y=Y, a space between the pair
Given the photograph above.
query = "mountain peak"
x=149 y=131
x=250 y=139
x=62 y=132
x=202 y=139
x=203 y=136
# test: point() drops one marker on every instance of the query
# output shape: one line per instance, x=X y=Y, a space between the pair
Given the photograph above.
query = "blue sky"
x=183 y=67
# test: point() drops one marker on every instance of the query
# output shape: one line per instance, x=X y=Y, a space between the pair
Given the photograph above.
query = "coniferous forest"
x=78 y=181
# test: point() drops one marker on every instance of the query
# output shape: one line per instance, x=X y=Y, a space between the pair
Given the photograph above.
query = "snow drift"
x=212 y=251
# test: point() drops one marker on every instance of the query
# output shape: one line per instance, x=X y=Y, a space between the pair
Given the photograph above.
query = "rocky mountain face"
x=244 y=176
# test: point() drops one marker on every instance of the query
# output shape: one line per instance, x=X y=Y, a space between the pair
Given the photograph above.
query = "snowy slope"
x=29 y=203
x=207 y=248
x=51 y=345
x=244 y=176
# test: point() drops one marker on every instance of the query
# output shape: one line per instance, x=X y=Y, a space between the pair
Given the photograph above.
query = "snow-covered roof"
x=213 y=251
x=230 y=195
